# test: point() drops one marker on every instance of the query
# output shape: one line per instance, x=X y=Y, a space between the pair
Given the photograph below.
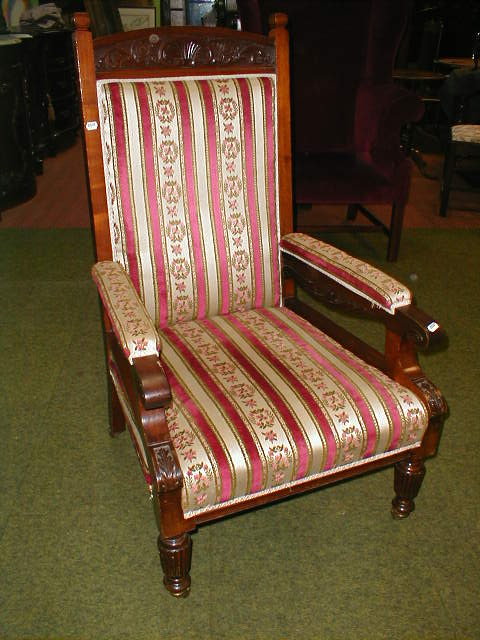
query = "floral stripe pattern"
x=262 y=399
x=190 y=168
x=381 y=289
x=131 y=323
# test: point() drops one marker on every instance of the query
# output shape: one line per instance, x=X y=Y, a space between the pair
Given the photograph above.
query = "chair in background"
x=235 y=392
x=460 y=99
x=347 y=112
x=416 y=68
x=462 y=159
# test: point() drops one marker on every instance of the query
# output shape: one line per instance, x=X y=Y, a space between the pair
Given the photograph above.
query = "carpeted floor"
x=77 y=537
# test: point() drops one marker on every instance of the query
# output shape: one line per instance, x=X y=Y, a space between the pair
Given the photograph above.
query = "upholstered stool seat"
x=466 y=133
x=462 y=157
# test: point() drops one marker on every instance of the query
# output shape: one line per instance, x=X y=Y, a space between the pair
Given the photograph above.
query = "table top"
x=456 y=62
x=6 y=40
x=417 y=74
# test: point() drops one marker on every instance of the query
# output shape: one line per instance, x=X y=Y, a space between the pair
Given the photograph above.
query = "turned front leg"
x=176 y=559
x=409 y=475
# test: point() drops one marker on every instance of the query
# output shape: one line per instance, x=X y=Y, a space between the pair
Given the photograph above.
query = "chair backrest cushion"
x=191 y=176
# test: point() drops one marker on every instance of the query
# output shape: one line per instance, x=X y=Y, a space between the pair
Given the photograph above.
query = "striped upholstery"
x=376 y=286
x=190 y=170
x=261 y=399
x=131 y=323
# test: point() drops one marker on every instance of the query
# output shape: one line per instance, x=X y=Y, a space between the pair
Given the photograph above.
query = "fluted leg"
x=176 y=558
x=409 y=475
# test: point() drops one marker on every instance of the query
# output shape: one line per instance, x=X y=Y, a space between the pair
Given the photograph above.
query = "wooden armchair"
x=234 y=391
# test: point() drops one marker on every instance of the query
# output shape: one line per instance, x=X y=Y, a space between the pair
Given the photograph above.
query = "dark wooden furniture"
x=39 y=110
x=347 y=112
x=60 y=78
x=425 y=83
x=17 y=177
x=188 y=378
x=104 y=16
x=52 y=90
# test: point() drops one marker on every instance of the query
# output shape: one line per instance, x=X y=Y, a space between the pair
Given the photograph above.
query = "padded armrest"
x=380 y=289
x=131 y=323
x=381 y=111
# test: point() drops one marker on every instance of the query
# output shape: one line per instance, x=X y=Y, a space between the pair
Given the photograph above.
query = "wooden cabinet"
x=17 y=177
x=39 y=113
x=60 y=85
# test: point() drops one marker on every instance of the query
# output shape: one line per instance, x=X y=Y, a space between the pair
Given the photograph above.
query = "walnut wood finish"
x=409 y=320
x=194 y=51
x=176 y=559
x=409 y=476
x=117 y=419
x=17 y=178
x=164 y=48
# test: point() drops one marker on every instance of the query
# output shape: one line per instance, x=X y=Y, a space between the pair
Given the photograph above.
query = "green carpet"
x=77 y=536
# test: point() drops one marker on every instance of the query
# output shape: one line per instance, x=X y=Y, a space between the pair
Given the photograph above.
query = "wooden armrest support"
x=152 y=382
x=328 y=290
x=426 y=333
x=408 y=330
x=366 y=281
x=409 y=321
x=148 y=391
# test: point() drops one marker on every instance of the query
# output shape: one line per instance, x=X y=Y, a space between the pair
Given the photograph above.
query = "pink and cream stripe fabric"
x=131 y=323
x=190 y=169
x=376 y=286
x=262 y=399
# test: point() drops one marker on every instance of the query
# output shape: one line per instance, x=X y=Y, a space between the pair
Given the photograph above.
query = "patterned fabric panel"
x=466 y=133
x=262 y=399
x=190 y=169
x=131 y=323
x=371 y=283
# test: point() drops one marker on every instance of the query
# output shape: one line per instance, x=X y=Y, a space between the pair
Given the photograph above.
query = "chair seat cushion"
x=262 y=399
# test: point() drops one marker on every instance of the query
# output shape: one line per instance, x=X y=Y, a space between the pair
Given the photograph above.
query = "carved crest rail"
x=149 y=50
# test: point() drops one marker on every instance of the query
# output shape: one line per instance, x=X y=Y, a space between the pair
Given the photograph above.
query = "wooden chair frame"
x=145 y=382
x=458 y=156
